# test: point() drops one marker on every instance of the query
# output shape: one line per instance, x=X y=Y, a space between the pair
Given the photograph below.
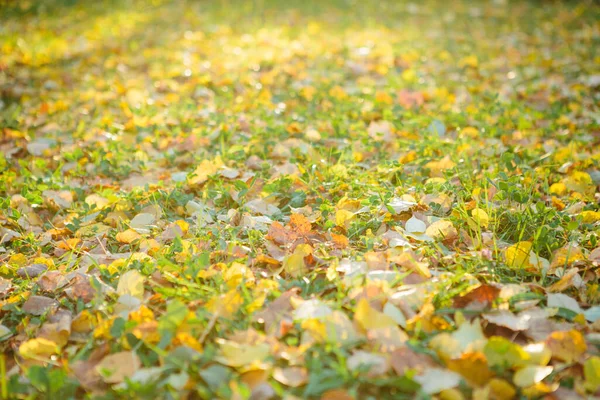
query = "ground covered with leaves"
x=327 y=200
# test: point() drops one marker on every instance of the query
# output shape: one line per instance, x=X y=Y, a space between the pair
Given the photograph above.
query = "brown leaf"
x=409 y=99
x=32 y=271
x=58 y=327
x=82 y=288
x=52 y=280
x=118 y=366
x=279 y=234
x=85 y=371
x=5 y=286
x=298 y=230
x=275 y=311
x=336 y=394
x=405 y=359
x=479 y=298
x=38 y=305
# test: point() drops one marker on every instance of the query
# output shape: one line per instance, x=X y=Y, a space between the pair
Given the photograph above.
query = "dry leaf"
x=38 y=305
x=291 y=376
x=115 y=367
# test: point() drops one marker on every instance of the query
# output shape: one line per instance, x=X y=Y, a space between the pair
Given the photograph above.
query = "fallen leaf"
x=442 y=230
x=369 y=318
x=481 y=217
x=563 y=301
x=473 y=367
x=591 y=372
x=127 y=237
x=375 y=364
x=405 y=359
x=38 y=305
x=294 y=264
x=236 y=354
x=435 y=380
x=566 y=346
x=131 y=283
x=38 y=348
x=291 y=376
x=503 y=353
x=530 y=375
x=115 y=367
x=336 y=394
x=521 y=255
x=479 y=298
x=32 y=271
x=205 y=169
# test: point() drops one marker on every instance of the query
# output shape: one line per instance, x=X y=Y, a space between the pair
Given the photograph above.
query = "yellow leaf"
x=501 y=389
x=102 y=330
x=517 y=255
x=437 y=168
x=470 y=131
x=481 y=217
x=591 y=371
x=316 y=328
x=369 y=318
x=84 y=322
x=149 y=245
x=17 y=260
x=566 y=346
x=473 y=367
x=236 y=354
x=409 y=75
x=141 y=315
x=558 y=189
x=566 y=256
x=520 y=255
x=338 y=93
x=467 y=338
x=590 y=217
x=257 y=302
x=97 y=201
x=442 y=230
x=184 y=338
x=183 y=225
x=451 y=394
x=383 y=97
x=580 y=182
x=294 y=264
x=235 y=274
x=128 y=236
x=343 y=218
x=504 y=353
x=204 y=170
x=38 y=348
x=226 y=305
x=131 y=283
x=469 y=61
x=538 y=390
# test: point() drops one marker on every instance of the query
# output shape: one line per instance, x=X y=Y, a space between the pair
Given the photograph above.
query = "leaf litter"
x=253 y=201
